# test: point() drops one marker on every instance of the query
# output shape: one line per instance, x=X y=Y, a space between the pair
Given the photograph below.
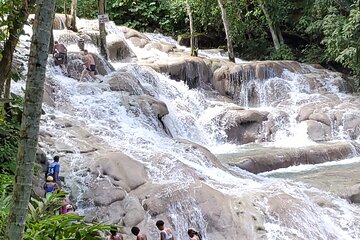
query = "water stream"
x=307 y=211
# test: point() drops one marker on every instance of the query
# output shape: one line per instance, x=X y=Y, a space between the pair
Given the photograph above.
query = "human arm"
x=162 y=236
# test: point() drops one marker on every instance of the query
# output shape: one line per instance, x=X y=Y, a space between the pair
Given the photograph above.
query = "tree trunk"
x=44 y=16
x=73 y=15
x=18 y=19
x=227 y=30
x=66 y=16
x=192 y=39
x=272 y=27
x=102 y=29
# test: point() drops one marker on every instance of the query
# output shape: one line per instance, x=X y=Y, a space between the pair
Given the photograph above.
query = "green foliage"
x=43 y=222
x=9 y=137
x=284 y=53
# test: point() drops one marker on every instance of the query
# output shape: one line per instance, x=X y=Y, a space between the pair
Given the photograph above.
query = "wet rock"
x=134 y=212
x=75 y=65
x=318 y=131
x=163 y=47
x=276 y=158
x=125 y=81
x=351 y=123
x=103 y=193
x=118 y=49
x=150 y=106
x=192 y=70
x=242 y=126
x=122 y=170
x=353 y=194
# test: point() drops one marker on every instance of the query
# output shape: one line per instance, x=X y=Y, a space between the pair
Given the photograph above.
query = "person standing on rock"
x=54 y=170
x=165 y=233
x=193 y=234
x=50 y=186
x=139 y=235
x=60 y=56
x=89 y=66
x=115 y=236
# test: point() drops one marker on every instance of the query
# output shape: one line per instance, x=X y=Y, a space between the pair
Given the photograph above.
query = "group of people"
x=165 y=233
x=53 y=183
x=60 y=58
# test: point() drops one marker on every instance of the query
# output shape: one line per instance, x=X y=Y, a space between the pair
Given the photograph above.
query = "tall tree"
x=192 y=38
x=274 y=28
x=73 y=15
x=222 y=5
x=102 y=4
x=44 y=16
x=16 y=20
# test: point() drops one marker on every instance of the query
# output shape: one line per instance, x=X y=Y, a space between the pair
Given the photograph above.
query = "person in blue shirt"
x=54 y=169
x=50 y=186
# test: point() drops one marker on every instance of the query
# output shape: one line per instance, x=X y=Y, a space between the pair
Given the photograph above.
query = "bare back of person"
x=60 y=48
x=117 y=237
x=141 y=236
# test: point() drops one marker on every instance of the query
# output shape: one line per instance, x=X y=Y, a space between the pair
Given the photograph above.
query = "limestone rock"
x=354 y=194
x=243 y=126
x=318 y=131
x=150 y=106
x=125 y=81
x=118 y=49
x=122 y=170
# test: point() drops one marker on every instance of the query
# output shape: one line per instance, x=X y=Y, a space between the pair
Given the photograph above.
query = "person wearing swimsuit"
x=165 y=233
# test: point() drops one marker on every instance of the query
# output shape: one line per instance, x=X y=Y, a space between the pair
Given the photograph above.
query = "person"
x=89 y=65
x=165 y=233
x=66 y=201
x=114 y=235
x=60 y=56
x=193 y=234
x=54 y=170
x=50 y=185
x=71 y=210
x=139 y=235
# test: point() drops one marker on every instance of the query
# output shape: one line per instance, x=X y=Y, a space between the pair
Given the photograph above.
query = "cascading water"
x=113 y=120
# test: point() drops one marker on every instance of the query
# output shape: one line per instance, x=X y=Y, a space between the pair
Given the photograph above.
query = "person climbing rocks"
x=60 y=56
x=165 y=233
x=114 y=235
x=139 y=235
x=194 y=235
x=54 y=170
x=89 y=66
x=50 y=186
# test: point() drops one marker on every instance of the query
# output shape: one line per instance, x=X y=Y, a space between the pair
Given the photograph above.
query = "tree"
x=274 y=30
x=192 y=39
x=73 y=15
x=44 y=16
x=102 y=4
x=222 y=5
x=15 y=23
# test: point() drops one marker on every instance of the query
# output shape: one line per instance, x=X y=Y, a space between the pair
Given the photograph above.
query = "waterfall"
x=89 y=119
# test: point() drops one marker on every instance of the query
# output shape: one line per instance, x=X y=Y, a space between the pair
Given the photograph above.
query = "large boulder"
x=75 y=64
x=275 y=158
x=318 y=131
x=125 y=81
x=242 y=125
x=118 y=49
x=192 y=70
